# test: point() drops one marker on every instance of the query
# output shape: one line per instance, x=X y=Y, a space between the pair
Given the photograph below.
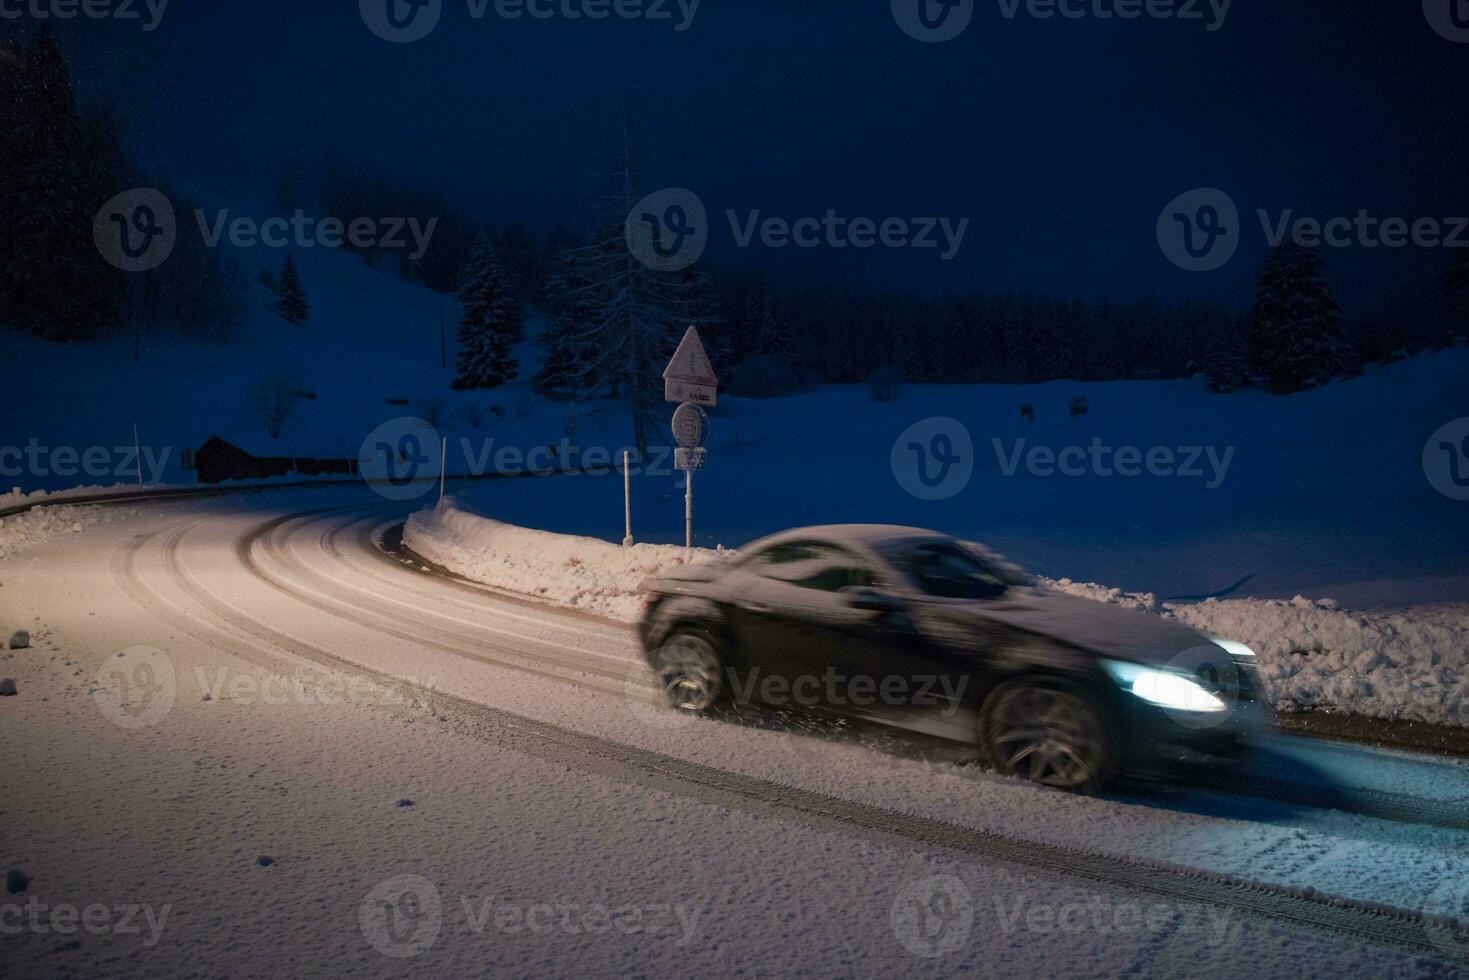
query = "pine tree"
x=291 y=301
x=52 y=281
x=491 y=325
x=776 y=337
x=626 y=317
x=1295 y=335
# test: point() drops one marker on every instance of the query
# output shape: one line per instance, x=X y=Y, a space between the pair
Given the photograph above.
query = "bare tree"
x=274 y=399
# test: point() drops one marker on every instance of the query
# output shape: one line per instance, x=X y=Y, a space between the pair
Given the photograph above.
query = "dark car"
x=922 y=630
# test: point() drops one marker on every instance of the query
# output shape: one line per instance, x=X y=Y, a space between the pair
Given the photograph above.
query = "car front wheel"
x=1048 y=734
x=690 y=672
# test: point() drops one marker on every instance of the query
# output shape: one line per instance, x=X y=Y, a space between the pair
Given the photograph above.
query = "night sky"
x=1061 y=140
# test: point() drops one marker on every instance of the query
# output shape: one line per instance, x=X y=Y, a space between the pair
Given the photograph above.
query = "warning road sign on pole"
x=689 y=377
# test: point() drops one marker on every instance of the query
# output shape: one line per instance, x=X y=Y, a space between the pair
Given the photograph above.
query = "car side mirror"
x=870 y=599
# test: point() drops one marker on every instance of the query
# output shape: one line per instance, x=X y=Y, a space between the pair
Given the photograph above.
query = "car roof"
x=871 y=536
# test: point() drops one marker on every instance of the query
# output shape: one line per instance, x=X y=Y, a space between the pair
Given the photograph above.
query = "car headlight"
x=1164 y=688
x=1233 y=647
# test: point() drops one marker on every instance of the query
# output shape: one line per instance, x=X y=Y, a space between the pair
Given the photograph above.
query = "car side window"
x=949 y=572
x=813 y=565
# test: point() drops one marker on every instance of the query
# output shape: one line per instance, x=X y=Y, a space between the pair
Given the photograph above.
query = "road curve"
x=312 y=588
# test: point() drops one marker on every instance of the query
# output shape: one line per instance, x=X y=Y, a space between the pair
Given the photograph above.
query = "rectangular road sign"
x=690 y=459
x=686 y=391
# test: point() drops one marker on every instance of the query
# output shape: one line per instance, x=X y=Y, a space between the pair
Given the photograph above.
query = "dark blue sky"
x=1060 y=140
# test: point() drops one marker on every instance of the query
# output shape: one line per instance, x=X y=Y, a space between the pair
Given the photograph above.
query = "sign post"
x=689 y=380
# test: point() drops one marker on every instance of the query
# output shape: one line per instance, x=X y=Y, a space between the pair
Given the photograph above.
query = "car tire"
x=1050 y=733
x=690 y=671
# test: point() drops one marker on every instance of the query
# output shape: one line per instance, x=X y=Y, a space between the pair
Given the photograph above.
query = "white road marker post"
x=138 y=448
x=688 y=511
x=443 y=468
x=627 y=497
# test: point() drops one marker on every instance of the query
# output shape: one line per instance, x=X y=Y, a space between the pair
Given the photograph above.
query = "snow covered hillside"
x=1321 y=494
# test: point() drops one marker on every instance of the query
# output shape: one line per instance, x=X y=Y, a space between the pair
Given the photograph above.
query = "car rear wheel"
x=690 y=672
x=1049 y=735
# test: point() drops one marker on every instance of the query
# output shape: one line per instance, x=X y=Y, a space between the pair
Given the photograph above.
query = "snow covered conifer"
x=1295 y=335
x=291 y=301
x=1456 y=280
x=491 y=325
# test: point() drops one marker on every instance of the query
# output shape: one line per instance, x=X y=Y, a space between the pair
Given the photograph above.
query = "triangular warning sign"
x=690 y=362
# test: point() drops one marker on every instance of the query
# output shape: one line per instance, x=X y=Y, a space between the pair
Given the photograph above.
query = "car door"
x=795 y=626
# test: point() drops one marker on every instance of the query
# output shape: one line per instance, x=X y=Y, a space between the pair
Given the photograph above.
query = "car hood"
x=1111 y=631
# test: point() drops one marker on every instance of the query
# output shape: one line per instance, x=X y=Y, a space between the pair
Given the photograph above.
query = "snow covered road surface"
x=349 y=679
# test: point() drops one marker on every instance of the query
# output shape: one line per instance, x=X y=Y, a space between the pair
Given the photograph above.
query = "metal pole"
x=138 y=448
x=627 y=498
x=688 y=510
x=443 y=467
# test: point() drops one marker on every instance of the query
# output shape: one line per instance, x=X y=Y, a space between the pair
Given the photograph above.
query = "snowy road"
x=339 y=681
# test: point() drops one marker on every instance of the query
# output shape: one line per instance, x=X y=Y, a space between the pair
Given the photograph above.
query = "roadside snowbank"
x=582 y=573
x=34 y=526
x=1313 y=655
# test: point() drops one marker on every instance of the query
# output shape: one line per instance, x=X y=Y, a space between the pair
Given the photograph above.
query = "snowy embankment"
x=581 y=573
x=35 y=526
x=1313 y=655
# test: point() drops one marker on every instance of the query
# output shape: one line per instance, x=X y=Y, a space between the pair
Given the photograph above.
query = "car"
x=922 y=630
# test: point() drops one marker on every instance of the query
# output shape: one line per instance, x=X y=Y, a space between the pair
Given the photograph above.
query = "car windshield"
x=948 y=570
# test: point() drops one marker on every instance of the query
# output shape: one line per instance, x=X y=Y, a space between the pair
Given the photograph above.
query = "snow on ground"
x=22 y=531
x=144 y=837
x=1312 y=653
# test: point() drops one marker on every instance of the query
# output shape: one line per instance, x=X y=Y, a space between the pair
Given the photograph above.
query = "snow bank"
x=581 y=573
x=1313 y=655
x=35 y=526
